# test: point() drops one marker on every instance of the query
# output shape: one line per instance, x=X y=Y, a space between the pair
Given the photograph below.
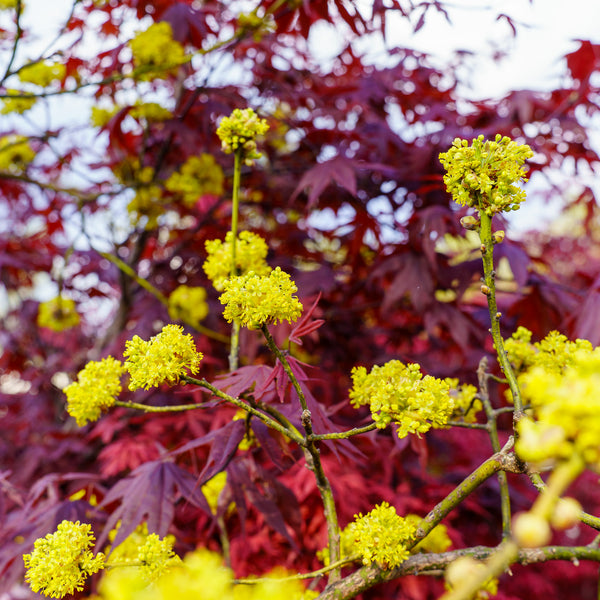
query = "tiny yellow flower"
x=251 y=254
x=152 y=112
x=61 y=562
x=165 y=358
x=188 y=304
x=239 y=131
x=253 y=300
x=381 y=536
x=95 y=390
x=400 y=393
x=198 y=176
x=58 y=314
x=484 y=175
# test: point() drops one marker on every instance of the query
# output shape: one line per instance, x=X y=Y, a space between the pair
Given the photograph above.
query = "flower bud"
x=498 y=236
x=531 y=530
x=485 y=290
x=567 y=513
x=470 y=222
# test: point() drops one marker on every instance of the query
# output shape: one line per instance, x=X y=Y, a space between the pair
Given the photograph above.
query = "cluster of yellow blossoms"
x=484 y=175
x=253 y=300
x=58 y=314
x=42 y=73
x=381 y=536
x=400 y=393
x=61 y=562
x=239 y=131
x=251 y=254
x=188 y=304
x=155 y=51
x=15 y=153
x=166 y=357
x=365 y=538
x=199 y=175
x=97 y=386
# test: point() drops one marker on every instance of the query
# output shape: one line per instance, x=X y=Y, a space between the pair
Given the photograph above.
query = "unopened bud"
x=498 y=236
x=485 y=290
x=482 y=248
x=567 y=513
x=470 y=222
x=531 y=530
x=498 y=315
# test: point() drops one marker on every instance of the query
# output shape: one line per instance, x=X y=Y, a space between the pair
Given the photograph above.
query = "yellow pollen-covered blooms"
x=251 y=253
x=252 y=300
x=61 y=562
x=163 y=359
x=484 y=174
x=97 y=386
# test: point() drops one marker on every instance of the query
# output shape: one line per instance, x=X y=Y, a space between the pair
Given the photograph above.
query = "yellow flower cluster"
x=188 y=304
x=95 y=390
x=466 y=403
x=156 y=557
x=200 y=575
x=252 y=300
x=436 y=541
x=42 y=73
x=400 y=393
x=465 y=568
x=381 y=536
x=212 y=490
x=251 y=254
x=239 y=131
x=61 y=562
x=152 y=112
x=567 y=408
x=553 y=353
x=58 y=314
x=155 y=51
x=145 y=553
x=484 y=175
x=15 y=153
x=199 y=175
x=16 y=101
x=165 y=358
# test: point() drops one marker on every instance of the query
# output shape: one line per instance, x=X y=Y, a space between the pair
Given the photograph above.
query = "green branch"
x=489 y=289
x=492 y=425
x=313 y=459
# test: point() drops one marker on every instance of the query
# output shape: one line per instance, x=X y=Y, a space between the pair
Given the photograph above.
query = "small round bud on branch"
x=485 y=290
x=498 y=237
x=482 y=248
x=470 y=222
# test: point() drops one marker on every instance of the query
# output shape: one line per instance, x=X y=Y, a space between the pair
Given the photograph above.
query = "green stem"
x=158 y=409
x=313 y=459
x=235 y=207
x=342 y=435
x=489 y=275
x=266 y=419
x=330 y=567
x=492 y=424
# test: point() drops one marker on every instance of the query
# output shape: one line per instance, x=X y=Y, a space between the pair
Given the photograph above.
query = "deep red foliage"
x=352 y=206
